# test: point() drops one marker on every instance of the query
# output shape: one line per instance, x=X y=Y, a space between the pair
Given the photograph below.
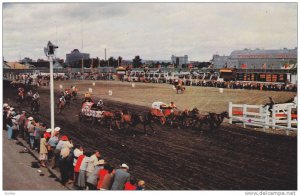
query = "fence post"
x=267 y=118
x=262 y=117
x=289 y=118
x=230 y=112
x=274 y=111
x=244 y=114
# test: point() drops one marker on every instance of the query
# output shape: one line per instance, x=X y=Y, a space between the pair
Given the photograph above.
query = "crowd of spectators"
x=85 y=170
x=210 y=80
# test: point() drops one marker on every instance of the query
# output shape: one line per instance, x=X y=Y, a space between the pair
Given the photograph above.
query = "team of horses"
x=127 y=121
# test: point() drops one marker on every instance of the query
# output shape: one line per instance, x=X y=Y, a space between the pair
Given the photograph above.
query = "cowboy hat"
x=30 y=118
x=124 y=166
x=49 y=130
x=101 y=162
x=57 y=129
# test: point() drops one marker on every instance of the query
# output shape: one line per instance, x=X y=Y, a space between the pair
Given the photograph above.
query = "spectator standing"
x=43 y=150
x=64 y=142
x=9 y=126
x=92 y=179
x=107 y=180
x=121 y=177
x=5 y=111
x=78 y=151
x=93 y=162
x=131 y=185
x=53 y=141
x=15 y=121
x=30 y=127
x=66 y=164
x=77 y=168
x=82 y=171
x=22 y=121
x=141 y=185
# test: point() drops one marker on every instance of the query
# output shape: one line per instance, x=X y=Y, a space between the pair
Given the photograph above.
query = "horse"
x=35 y=106
x=214 y=120
x=179 y=88
x=20 y=99
x=60 y=106
x=112 y=119
x=68 y=98
x=184 y=118
x=74 y=95
x=218 y=118
x=28 y=99
x=129 y=121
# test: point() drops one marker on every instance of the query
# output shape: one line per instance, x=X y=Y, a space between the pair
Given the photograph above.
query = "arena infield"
x=233 y=158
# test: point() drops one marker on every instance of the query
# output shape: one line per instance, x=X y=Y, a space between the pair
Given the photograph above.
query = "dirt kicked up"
x=232 y=158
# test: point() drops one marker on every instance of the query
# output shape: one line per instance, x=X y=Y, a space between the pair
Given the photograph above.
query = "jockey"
x=74 y=89
x=67 y=91
x=36 y=96
x=172 y=105
x=87 y=97
x=100 y=103
x=21 y=92
x=62 y=99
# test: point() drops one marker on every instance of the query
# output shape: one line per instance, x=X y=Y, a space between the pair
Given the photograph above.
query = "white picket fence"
x=259 y=116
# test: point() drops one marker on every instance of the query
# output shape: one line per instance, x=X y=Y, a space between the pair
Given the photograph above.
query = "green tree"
x=120 y=60
x=136 y=62
x=112 y=62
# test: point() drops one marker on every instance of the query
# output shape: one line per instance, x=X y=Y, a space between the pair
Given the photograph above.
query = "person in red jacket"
x=131 y=185
x=77 y=167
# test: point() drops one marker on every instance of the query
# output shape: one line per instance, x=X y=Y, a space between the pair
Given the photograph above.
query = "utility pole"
x=49 y=52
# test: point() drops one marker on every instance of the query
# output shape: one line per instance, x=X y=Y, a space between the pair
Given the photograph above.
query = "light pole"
x=49 y=52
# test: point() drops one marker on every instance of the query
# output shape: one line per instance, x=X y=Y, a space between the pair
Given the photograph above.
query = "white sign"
x=90 y=90
x=110 y=92
x=60 y=86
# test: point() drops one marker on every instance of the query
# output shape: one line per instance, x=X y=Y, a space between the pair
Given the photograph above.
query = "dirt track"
x=231 y=159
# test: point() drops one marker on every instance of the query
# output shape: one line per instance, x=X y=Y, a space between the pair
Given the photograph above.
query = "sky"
x=154 y=31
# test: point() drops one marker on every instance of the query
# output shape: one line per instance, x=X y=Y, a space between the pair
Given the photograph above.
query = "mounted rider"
x=67 y=91
x=100 y=105
x=62 y=99
x=36 y=96
x=74 y=91
x=87 y=97
x=21 y=92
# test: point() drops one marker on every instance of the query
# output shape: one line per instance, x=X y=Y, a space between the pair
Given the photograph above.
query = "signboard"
x=261 y=77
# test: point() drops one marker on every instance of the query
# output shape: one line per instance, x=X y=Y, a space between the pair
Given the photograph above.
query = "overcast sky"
x=151 y=30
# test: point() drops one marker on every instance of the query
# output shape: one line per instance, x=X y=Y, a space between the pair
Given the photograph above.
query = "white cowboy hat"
x=100 y=162
x=11 y=109
x=5 y=104
x=57 y=129
x=30 y=118
x=49 y=130
x=124 y=166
